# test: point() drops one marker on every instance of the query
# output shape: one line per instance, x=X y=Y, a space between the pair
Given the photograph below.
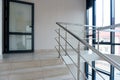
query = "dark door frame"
x=6 y=27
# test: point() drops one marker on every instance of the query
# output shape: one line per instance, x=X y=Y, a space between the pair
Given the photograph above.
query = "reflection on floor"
x=33 y=66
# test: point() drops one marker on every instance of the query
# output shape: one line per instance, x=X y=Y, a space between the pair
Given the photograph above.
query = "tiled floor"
x=33 y=66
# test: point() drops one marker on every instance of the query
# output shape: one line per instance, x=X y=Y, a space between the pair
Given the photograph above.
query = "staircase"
x=36 y=66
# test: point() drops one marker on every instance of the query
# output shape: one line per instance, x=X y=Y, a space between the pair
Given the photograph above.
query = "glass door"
x=20 y=31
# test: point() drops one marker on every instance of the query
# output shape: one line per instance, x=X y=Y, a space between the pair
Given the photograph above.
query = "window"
x=117 y=11
x=102 y=12
x=105 y=13
x=117 y=50
x=103 y=18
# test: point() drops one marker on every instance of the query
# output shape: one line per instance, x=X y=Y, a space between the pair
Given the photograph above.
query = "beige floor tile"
x=27 y=64
x=19 y=59
x=38 y=75
x=4 y=77
x=5 y=68
x=50 y=62
x=38 y=79
x=26 y=76
x=59 y=79
x=64 y=77
x=55 y=72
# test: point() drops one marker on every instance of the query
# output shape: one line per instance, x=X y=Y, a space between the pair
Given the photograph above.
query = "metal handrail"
x=83 y=41
x=106 y=58
x=70 y=59
x=97 y=27
x=74 y=24
x=78 y=53
x=66 y=65
x=108 y=27
x=78 y=56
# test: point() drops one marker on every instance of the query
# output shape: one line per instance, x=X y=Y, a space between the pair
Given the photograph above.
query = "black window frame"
x=94 y=42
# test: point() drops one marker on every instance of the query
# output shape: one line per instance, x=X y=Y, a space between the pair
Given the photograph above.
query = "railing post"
x=59 y=42
x=98 y=39
x=78 y=68
x=66 y=41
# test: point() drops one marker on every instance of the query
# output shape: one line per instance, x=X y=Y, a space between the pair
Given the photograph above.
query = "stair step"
x=37 y=67
x=7 y=67
x=65 y=77
x=35 y=74
x=33 y=70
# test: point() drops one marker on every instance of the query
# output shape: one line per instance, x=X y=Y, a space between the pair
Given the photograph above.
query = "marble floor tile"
x=26 y=76
x=25 y=64
x=50 y=62
x=6 y=77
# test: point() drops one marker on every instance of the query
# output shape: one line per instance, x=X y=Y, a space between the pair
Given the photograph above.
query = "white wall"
x=0 y=28
x=48 y=12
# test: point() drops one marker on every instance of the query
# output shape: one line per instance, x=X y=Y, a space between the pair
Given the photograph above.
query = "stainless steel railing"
x=81 y=44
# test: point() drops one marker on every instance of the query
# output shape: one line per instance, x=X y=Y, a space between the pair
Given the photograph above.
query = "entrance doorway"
x=18 y=26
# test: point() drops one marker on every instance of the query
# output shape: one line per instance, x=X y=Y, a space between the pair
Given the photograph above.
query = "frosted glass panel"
x=20 y=42
x=20 y=18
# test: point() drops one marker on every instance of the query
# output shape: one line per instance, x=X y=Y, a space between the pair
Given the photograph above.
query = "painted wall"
x=48 y=12
x=0 y=28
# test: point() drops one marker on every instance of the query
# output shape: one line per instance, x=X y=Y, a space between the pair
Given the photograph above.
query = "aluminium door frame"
x=19 y=33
